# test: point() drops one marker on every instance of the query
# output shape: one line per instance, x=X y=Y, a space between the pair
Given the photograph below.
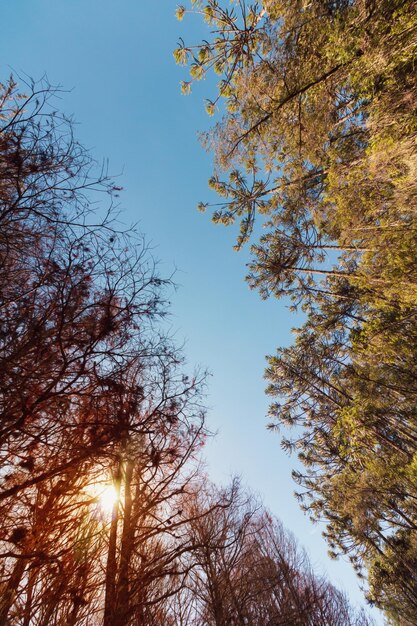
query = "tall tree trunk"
x=111 y=569
x=122 y=612
x=8 y=593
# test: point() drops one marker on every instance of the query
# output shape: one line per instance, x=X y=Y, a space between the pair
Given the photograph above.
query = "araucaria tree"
x=318 y=143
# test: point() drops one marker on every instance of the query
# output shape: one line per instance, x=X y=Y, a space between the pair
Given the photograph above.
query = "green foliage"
x=179 y=13
x=210 y=108
x=185 y=88
x=181 y=55
x=318 y=143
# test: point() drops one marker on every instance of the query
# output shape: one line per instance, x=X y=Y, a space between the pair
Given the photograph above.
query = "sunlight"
x=104 y=495
x=107 y=498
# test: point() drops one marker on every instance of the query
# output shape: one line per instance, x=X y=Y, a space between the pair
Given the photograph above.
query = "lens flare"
x=107 y=498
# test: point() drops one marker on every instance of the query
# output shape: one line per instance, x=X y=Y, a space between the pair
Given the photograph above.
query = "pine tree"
x=317 y=143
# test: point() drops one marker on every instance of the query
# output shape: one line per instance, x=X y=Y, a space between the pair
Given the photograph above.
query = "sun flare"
x=107 y=498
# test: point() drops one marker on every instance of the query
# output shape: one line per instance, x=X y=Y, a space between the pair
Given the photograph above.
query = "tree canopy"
x=107 y=514
x=317 y=142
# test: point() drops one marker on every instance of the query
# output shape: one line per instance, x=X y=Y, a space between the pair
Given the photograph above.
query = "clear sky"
x=116 y=58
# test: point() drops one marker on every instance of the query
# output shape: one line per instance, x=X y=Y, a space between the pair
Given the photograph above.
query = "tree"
x=89 y=381
x=246 y=569
x=317 y=142
x=151 y=471
x=74 y=299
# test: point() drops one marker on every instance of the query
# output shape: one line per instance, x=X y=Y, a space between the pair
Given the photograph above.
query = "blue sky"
x=116 y=59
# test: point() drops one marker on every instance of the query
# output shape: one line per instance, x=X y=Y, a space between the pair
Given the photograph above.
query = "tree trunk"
x=111 y=569
x=122 y=612
x=8 y=594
